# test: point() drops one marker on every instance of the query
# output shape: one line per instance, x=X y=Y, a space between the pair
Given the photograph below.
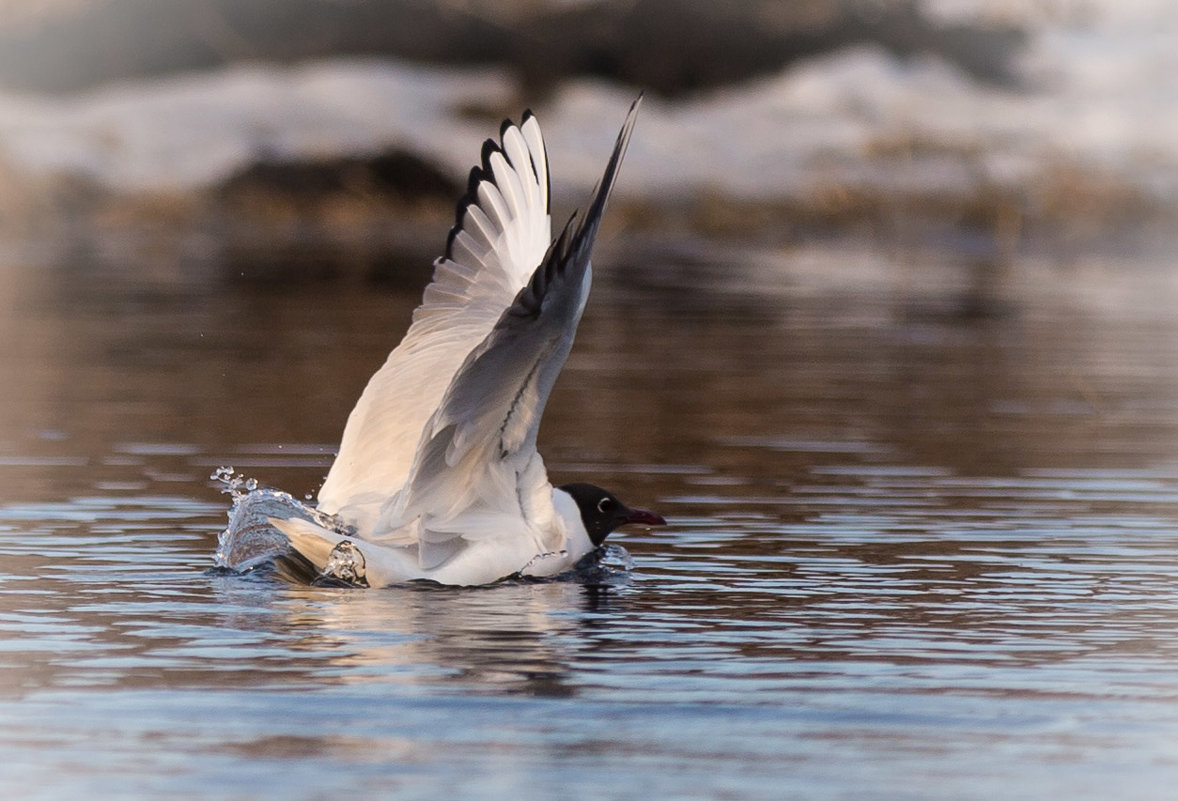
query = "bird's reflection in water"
x=510 y=638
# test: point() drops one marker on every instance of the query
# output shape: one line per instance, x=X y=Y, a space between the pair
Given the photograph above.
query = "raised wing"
x=501 y=234
x=477 y=461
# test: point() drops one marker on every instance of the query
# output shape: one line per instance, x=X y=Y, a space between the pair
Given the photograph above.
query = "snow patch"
x=1098 y=94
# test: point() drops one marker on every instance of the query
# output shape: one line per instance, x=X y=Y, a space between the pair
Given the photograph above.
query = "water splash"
x=251 y=539
x=608 y=564
x=233 y=483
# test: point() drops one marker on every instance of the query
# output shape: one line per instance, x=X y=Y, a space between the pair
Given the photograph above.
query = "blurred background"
x=207 y=203
x=296 y=138
x=882 y=322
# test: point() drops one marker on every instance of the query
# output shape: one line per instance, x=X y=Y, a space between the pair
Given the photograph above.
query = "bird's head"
x=602 y=512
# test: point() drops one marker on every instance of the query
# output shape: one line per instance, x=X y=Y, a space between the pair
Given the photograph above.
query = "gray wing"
x=477 y=459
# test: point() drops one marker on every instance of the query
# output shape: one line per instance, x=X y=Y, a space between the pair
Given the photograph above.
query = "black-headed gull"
x=437 y=475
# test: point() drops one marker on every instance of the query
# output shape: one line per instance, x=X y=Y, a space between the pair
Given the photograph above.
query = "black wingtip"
x=484 y=172
x=471 y=196
x=490 y=147
x=583 y=240
x=478 y=174
x=580 y=240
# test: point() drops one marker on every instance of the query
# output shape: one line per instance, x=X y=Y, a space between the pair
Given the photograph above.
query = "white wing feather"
x=501 y=235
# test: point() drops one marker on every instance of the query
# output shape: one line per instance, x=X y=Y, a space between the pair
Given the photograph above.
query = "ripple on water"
x=901 y=564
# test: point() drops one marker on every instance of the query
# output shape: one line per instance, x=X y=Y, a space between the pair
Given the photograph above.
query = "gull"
x=437 y=476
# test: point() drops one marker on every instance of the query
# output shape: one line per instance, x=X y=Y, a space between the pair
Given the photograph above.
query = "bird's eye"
x=605 y=504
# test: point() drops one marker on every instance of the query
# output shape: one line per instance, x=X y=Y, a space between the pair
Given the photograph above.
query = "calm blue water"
x=914 y=553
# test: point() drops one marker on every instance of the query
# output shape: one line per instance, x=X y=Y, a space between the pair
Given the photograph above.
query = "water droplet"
x=233 y=483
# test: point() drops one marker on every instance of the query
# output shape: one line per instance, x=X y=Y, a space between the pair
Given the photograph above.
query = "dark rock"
x=666 y=46
x=394 y=174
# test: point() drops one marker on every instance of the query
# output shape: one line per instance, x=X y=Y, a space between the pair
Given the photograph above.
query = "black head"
x=601 y=512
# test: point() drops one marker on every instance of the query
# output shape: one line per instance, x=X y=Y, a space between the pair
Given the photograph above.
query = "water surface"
x=922 y=545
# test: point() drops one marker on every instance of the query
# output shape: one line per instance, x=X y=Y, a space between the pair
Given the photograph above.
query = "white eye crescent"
x=605 y=504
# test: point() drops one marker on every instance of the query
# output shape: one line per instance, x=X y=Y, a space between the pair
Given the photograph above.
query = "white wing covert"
x=501 y=234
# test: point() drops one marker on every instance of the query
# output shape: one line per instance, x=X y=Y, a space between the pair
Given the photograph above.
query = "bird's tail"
x=319 y=547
